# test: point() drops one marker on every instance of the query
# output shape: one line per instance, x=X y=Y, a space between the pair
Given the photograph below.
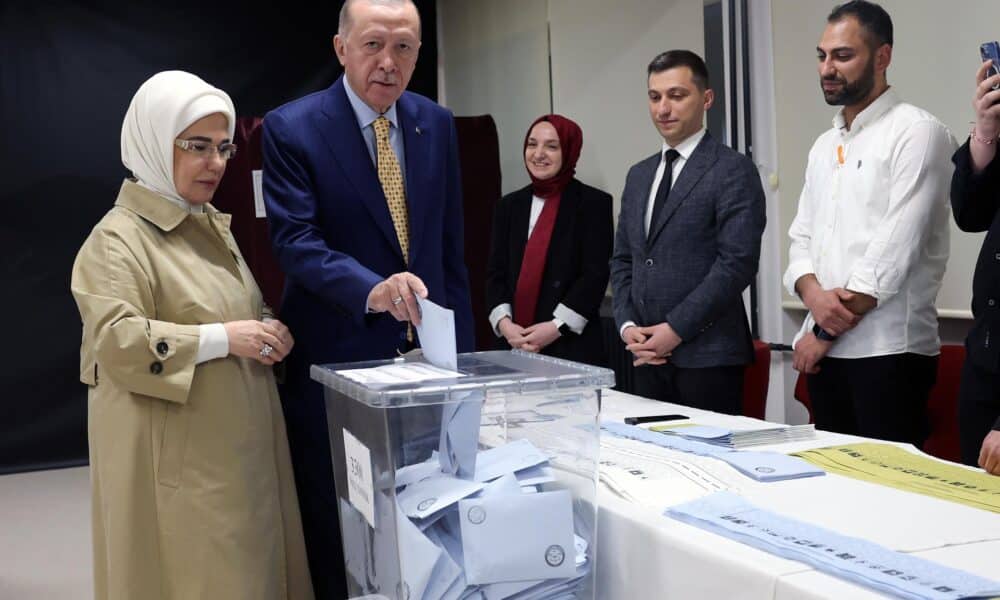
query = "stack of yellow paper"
x=896 y=467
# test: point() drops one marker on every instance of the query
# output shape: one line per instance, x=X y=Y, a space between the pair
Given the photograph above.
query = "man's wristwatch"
x=822 y=334
x=561 y=326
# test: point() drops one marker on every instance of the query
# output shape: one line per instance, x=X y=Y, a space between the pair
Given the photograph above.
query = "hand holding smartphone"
x=991 y=51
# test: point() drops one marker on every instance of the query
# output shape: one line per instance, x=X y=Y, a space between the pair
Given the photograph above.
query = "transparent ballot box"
x=477 y=483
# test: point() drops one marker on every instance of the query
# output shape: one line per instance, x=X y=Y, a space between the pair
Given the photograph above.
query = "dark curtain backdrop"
x=67 y=73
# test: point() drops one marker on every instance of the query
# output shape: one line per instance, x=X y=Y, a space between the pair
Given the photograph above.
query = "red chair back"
x=802 y=395
x=755 y=381
x=942 y=406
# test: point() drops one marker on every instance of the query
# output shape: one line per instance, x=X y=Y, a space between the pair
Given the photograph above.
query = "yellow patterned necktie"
x=391 y=178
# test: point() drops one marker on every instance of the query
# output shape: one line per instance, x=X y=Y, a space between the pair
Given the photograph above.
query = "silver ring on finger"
x=266 y=351
x=397 y=300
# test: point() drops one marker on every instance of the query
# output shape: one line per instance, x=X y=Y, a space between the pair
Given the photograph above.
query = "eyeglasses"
x=203 y=149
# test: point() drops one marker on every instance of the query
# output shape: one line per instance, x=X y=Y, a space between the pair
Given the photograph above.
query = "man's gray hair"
x=344 y=25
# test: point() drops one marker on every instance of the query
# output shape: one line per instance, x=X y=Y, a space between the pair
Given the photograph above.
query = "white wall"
x=600 y=51
x=496 y=60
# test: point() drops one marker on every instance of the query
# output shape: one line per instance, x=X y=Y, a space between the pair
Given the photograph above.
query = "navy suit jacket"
x=332 y=233
x=702 y=252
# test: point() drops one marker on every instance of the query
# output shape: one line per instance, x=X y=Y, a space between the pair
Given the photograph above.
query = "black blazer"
x=974 y=200
x=576 y=268
x=701 y=254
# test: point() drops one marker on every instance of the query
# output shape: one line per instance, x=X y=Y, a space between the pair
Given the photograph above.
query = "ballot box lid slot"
x=482 y=373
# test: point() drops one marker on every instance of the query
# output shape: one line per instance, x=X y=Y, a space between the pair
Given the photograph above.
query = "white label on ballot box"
x=359 y=476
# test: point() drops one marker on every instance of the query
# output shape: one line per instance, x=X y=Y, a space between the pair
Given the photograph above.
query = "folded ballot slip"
x=518 y=538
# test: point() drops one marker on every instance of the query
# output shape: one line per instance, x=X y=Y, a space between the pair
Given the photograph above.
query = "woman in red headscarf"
x=552 y=240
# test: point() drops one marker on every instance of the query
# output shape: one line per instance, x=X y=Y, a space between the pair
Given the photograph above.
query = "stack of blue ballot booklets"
x=758 y=465
x=850 y=558
x=491 y=536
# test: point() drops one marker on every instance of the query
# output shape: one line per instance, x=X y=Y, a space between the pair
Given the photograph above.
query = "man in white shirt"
x=870 y=240
x=687 y=246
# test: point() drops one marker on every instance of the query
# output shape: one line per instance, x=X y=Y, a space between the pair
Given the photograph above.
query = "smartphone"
x=991 y=51
x=653 y=419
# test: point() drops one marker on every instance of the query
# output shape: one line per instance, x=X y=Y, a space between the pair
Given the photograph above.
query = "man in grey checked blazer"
x=688 y=244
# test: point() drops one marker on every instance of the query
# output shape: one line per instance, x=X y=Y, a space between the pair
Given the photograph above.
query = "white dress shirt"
x=873 y=218
x=684 y=150
x=562 y=313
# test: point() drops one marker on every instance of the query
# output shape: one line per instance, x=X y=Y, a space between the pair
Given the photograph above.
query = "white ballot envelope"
x=436 y=333
x=500 y=591
x=424 y=498
x=460 y=437
x=358 y=541
x=770 y=466
x=515 y=456
x=535 y=475
x=418 y=471
x=418 y=558
x=502 y=486
x=518 y=538
x=448 y=579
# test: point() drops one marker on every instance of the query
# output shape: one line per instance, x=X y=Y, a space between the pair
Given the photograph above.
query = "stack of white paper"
x=740 y=438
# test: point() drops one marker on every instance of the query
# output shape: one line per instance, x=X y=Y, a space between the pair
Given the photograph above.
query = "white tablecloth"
x=642 y=554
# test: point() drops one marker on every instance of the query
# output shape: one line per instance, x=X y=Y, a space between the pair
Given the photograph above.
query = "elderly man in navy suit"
x=363 y=196
x=688 y=243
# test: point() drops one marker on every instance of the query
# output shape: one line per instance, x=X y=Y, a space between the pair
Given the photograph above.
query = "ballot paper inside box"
x=478 y=483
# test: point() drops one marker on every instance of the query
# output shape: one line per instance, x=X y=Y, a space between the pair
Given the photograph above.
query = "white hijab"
x=164 y=106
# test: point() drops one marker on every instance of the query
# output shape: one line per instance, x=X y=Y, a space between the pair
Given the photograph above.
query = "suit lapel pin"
x=418 y=131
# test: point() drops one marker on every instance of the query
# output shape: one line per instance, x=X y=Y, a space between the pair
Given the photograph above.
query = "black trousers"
x=883 y=397
x=978 y=409
x=719 y=389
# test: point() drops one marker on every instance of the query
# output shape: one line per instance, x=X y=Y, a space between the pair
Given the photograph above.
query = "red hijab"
x=570 y=142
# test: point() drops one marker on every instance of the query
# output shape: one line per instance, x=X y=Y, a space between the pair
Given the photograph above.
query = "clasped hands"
x=397 y=295
x=529 y=339
x=836 y=311
x=650 y=345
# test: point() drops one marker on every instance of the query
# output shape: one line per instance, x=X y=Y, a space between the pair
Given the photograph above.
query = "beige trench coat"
x=193 y=494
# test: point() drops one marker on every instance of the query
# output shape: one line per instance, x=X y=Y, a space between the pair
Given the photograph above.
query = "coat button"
x=997 y=256
x=991 y=302
x=161 y=348
x=649 y=262
x=156 y=368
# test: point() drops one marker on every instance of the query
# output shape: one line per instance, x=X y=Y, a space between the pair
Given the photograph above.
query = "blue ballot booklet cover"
x=854 y=559
x=759 y=465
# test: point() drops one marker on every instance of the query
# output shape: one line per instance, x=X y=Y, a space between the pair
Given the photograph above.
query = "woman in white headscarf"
x=192 y=486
